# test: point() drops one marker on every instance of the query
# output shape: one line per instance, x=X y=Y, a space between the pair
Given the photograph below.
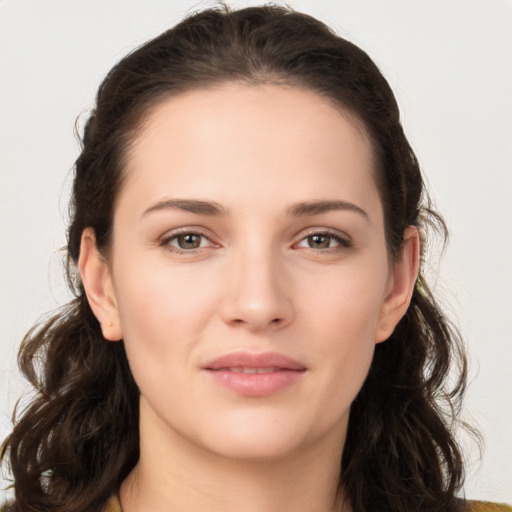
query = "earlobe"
x=403 y=279
x=97 y=282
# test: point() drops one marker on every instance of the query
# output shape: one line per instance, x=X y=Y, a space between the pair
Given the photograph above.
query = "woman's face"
x=248 y=274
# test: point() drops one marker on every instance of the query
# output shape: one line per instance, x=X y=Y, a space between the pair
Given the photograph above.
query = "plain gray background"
x=449 y=62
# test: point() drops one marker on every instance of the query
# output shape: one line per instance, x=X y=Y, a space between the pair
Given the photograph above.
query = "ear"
x=97 y=282
x=401 y=286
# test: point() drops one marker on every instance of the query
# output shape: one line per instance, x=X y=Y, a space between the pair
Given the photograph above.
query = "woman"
x=251 y=329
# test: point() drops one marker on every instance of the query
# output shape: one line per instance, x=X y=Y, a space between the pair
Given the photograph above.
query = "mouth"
x=255 y=375
x=239 y=369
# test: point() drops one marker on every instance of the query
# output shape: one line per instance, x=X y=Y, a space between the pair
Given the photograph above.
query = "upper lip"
x=250 y=360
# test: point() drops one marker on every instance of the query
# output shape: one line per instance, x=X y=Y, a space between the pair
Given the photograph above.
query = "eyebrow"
x=319 y=207
x=212 y=208
x=188 y=205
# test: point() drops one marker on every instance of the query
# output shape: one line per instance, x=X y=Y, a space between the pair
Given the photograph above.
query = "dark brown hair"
x=78 y=439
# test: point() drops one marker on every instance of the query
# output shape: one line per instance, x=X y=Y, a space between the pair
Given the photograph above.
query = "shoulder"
x=486 y=506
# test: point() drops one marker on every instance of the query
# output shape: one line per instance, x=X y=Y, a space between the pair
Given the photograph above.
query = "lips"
x=255 y=375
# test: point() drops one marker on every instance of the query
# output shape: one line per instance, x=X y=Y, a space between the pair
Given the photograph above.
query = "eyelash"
x=343 y=243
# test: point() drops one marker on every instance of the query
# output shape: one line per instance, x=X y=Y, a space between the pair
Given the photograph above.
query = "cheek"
x=162 y=317
x=163 y=292
x=348 y=342
x=163 y=311
x=344 y=315
x=348 y=302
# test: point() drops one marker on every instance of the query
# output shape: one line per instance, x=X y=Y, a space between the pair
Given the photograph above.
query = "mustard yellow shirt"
x=485 y=506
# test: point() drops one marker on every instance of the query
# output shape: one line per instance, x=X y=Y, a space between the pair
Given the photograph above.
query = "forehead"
x=238 y=139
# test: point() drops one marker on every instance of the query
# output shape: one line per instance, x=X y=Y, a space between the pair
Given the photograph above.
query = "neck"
x=174 y=475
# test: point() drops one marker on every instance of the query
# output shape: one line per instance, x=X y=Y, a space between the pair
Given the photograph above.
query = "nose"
x=256 y=292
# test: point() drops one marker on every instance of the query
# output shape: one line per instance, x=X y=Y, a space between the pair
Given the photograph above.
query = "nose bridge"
x=256 y=293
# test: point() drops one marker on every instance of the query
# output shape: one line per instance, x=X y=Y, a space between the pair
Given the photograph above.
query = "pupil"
x=319 y=241
x=189 y=241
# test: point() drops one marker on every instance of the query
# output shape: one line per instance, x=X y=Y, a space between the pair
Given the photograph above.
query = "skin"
x=258 y=281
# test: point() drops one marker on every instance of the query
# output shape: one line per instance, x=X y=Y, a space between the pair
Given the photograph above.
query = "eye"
x=186 y=241
x=322 y=241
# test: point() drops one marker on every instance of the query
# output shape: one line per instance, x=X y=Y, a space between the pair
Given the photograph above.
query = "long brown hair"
x=78 y=439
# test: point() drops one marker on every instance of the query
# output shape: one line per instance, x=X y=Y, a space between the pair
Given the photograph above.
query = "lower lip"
x=256 y=384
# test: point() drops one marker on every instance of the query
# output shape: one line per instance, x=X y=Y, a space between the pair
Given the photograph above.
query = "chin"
x=256 y=449
x=258 y=439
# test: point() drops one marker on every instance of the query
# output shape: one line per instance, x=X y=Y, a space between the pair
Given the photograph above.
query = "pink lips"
x=255 y=374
